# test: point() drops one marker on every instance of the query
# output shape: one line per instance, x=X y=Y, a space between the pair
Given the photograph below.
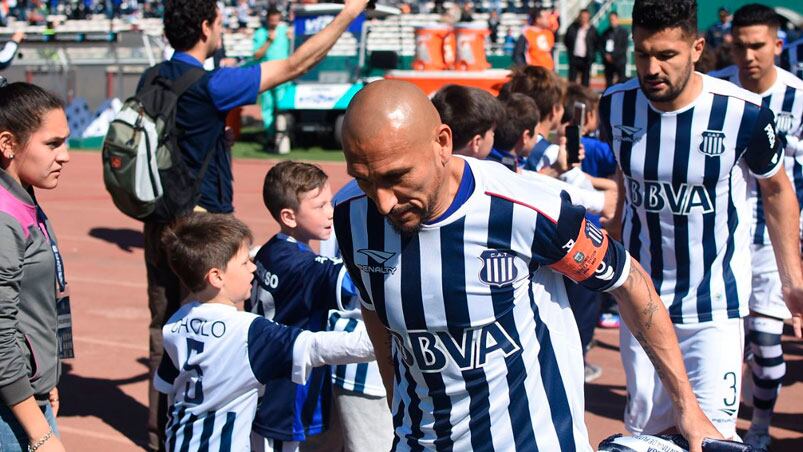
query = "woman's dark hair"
x=657 y=15
x=22 y=107
x=183 y=20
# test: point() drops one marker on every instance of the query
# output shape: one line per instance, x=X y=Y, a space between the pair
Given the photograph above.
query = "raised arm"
x=648 y=319
x=276 y=72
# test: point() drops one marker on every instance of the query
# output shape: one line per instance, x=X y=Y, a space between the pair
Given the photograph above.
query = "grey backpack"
x=143 y=168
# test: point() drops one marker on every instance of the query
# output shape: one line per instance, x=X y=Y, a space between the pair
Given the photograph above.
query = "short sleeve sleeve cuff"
x=234 y=87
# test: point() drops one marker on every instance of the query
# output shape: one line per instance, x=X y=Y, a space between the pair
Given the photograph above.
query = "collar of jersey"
x=460 y=211
x=287 y=238
x=186 y=58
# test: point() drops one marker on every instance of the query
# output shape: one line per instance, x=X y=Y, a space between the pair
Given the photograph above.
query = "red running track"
x=104 y=390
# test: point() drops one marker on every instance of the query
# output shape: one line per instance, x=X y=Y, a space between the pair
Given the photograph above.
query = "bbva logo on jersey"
x=713 y=144
x=433 y=351
x=656 y=196
x=498 y=267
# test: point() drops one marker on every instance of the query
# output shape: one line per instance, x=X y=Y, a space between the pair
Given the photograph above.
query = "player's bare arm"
x=783 y=219
x=380 y=337
x=614 y=225
x=648 y=319
x=276 y=72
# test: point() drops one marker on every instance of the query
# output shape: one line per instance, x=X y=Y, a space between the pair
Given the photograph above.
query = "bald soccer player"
x=459 y=263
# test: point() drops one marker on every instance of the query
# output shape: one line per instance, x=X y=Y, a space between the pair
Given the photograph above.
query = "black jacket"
x=571 y=37
x=620 y=38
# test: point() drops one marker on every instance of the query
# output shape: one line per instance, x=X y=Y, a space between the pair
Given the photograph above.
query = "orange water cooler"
x=435 y=48
x=471 y=47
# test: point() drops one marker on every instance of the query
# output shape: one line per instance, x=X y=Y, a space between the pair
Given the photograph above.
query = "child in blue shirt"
x=296 y=287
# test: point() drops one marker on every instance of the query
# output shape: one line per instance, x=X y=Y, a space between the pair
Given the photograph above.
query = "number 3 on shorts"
x=730 y=377
x=197 y=396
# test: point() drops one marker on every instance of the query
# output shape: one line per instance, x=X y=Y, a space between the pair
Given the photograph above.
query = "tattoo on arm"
x=648 y=350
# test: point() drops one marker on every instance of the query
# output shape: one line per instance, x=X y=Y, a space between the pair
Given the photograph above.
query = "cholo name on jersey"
x=469 y=349
x=683 y=199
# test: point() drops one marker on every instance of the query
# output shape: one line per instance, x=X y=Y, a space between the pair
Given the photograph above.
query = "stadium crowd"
x=463 y=270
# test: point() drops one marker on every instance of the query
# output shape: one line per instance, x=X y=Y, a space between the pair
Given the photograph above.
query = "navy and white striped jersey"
x=785 y=99
x=792 y=58
x=361 y=378
x=687 y=216
x=216 y=361
x=294 y=286
x=486 y=350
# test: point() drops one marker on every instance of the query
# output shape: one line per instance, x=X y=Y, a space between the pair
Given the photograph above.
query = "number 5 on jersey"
x=194 y=393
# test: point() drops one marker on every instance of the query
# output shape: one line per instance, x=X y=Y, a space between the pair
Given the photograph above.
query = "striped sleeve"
x=579 y=250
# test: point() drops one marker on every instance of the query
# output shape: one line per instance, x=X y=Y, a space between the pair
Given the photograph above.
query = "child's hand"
x=561 y=164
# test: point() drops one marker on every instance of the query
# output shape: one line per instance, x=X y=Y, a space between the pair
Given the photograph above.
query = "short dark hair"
x=202 y=241
x=22 y=108
x=543 y=85
x=183 y=20
x=534 y=13
x=755 y=14
x=286 y=182
x=579 y=93
x=613 y=13
x=522 y=114
x=467 y=111
x=657 y=15
x=272 y=11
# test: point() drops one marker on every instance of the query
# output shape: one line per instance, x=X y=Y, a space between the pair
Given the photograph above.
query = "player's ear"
x=697 y=47
x=444 y=143
x=287 y=217
x=214 y=278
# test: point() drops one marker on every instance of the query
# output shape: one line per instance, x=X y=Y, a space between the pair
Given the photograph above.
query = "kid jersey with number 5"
x=216 y=362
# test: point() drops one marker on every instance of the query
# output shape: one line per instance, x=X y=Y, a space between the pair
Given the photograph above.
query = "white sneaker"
x=758 y=439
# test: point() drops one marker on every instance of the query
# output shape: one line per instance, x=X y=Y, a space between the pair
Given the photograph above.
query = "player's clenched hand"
x=695 y=426
x=794 y=300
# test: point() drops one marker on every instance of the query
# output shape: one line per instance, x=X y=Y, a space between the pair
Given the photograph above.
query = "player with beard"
x=685 y=142
x=460 y=267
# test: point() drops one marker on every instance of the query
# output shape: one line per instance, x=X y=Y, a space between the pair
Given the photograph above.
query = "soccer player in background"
x=217 y=359
x=296 y=287
x=755 y=46
x=792 y=58
x=460 y=267
x=684 y=142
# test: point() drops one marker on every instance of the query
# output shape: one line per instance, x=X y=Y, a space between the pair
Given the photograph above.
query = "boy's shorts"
x=767 y=297
x=712 y=353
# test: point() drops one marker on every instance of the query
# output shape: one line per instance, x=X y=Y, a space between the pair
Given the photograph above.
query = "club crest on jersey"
x=713 y=144
x=783 y=122
x=376 y=261
x=498 y=267
x=627 y=134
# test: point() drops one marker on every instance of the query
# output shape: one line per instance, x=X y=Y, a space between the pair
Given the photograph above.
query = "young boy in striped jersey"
x=755 y=46
x=684 y=143
x=296 y=287
x=218 y=359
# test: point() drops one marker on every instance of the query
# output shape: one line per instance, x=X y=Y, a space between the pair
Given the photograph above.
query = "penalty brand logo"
x=376 y=261
x=627 y=134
